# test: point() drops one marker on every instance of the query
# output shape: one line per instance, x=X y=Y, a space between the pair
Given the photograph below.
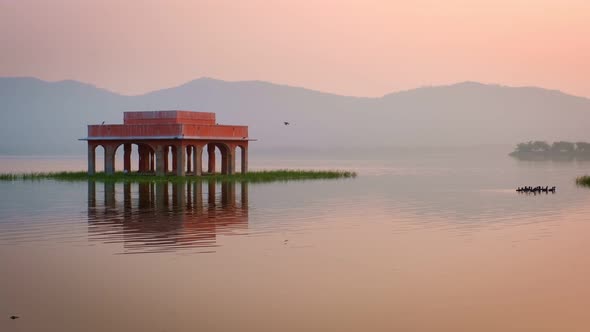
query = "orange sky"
x=363 y=48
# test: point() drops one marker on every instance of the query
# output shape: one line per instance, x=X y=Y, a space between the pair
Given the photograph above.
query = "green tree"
x=524 y=147
x=563 y=147
x=540 y=146
x=583 y=147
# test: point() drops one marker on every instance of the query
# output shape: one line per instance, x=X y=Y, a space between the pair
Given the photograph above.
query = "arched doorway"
x=135 y=157
x=98 y=154
x=219 y=158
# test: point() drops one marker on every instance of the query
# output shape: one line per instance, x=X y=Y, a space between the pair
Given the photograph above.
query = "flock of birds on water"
x=536 y=190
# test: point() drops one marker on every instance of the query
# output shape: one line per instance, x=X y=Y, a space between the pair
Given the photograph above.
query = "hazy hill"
x=39 y=117
x=45 y=117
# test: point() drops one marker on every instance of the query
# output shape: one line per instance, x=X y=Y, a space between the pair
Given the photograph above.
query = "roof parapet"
x=169 y=117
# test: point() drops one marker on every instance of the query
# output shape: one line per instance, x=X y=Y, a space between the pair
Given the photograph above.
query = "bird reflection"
x=158 y=217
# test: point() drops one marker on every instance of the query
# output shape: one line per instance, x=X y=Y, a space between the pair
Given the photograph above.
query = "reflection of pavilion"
x=155 y=217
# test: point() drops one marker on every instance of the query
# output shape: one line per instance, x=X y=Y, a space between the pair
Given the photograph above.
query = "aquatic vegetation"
x=583 y=181
x=254 y=176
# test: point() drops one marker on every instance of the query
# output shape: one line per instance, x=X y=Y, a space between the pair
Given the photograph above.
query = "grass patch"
x=255 y=176
x=583 y=181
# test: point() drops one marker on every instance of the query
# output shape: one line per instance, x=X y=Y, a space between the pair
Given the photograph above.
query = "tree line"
x=560 y=147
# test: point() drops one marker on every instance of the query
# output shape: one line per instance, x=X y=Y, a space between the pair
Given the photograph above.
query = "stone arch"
x=96 y=154
x=168 y=155
x=135 y=153
x=227 y=160
x=219 y=157
x=211 y=156
x=146 y=158
x=109 y=157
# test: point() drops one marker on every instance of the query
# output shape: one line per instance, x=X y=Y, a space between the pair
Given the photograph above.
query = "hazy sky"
x=364 y=48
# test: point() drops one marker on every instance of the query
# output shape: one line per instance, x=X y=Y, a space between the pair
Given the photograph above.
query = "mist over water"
x=421 y=240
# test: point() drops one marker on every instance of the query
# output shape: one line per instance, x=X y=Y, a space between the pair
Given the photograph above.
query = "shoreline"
x=548 y=155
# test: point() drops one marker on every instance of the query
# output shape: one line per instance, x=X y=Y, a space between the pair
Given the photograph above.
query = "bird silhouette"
x=14 y=317
x=286 y=123
x=102 y=123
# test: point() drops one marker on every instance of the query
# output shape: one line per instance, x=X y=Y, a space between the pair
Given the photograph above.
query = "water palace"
x=183 y=135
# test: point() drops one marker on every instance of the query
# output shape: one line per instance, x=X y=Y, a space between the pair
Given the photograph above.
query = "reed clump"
x=255 y=176
x=583 y=181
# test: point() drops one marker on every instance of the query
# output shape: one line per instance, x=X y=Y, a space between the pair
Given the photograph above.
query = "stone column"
x=211 y=154
x=166 y=152
x=152 y=161
x=127 y=157
x=198 y=160
x=179 y=160
x=174 y=159
x=109 y=159
x=189 y=150
x=224 y=158
x=244 y=159
x=231 y=160
x=141 y=161
x=160 y=160
x=227 y=160
x=148 y=159
x=144 y=159
x=91 y=159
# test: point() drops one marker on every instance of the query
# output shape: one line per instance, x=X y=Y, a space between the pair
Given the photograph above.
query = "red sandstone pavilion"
x=156 y=134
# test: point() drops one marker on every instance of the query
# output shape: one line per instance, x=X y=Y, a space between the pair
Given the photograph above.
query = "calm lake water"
x=419 y=241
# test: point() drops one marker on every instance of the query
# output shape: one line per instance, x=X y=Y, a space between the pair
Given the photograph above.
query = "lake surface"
x=419 y=241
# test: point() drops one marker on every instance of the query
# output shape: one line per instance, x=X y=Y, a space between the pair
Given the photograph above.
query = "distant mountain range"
x=38 y=117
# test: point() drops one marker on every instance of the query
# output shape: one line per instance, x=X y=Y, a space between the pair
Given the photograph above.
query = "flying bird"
x=286 y=123
x=14 y=317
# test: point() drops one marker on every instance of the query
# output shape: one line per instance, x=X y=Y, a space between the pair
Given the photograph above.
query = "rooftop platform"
x=158 y=125
x=169 y=117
